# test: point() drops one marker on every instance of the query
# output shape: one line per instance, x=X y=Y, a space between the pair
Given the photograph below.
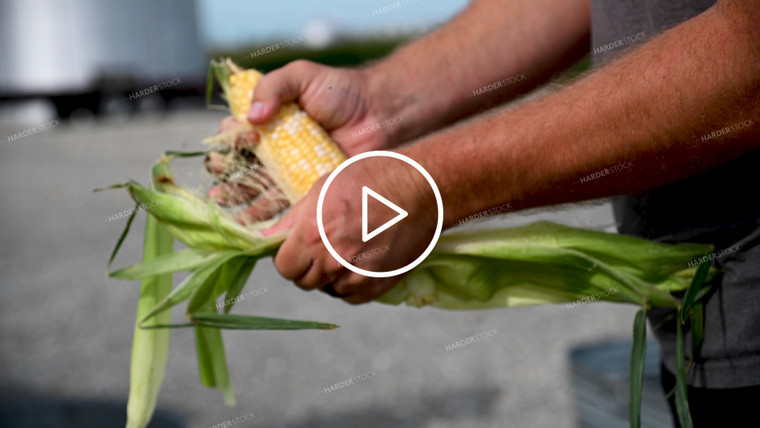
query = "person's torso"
x=717 y=206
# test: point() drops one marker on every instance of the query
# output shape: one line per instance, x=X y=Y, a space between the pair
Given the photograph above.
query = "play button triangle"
x=366 y=191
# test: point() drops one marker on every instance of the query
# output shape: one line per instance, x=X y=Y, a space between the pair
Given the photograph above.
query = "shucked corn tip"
x=294 y=149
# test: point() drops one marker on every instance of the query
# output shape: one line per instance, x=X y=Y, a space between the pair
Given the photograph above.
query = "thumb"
x=280 y=86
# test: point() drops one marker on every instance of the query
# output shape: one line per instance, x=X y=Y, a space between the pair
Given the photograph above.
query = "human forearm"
x=427 y=81
x=647 y=108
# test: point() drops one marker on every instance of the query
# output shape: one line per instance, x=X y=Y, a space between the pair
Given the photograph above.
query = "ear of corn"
x=542 y=263
x=293 y=148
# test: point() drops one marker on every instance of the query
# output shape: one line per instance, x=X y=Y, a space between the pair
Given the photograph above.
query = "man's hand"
x=303 y=257
x=339 y=99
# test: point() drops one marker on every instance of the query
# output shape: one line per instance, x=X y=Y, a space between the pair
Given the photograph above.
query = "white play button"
x=366 y=191
x=353 y=233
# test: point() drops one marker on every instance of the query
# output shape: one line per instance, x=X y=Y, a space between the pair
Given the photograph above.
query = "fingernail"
x=256 y=111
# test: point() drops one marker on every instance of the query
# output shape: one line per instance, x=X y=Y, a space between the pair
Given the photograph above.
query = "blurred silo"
x=78 y=51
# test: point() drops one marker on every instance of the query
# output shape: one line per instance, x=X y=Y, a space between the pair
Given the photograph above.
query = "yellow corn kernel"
x=293 y=148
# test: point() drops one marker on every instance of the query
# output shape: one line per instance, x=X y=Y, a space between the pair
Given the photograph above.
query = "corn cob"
x=294 y=150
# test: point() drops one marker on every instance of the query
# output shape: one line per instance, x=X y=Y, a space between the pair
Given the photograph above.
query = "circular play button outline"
x=321 y=200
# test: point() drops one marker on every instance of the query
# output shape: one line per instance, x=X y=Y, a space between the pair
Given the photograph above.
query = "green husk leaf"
x=220 y=70
x=648 y=260
x=203 y=293
x=174 y=153
x=194 y=280
x=217 y=284
x=167 y=263
x=150 y=348
x=210 y=84
x=694 y=289
x=546 y=263
x=163 y=326
x=215 y=221
x=189 y=221
x=703 y=292
x=697 y=331
x=237 y=284
x=123 y=236
x=682 y=400
x=638 y=358
x=111 y=187
x=247 y=322
x=212 y=362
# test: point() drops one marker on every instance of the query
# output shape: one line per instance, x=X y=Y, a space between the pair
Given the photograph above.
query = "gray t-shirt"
x=718 y=207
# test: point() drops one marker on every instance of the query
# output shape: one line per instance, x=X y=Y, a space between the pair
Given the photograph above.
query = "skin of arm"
x=489 y=42
x=650 y=107
x=431 y=82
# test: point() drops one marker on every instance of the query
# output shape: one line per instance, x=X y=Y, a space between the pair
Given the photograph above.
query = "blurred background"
x=73 y=118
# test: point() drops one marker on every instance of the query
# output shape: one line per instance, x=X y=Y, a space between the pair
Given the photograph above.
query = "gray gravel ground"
x=66 y=329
